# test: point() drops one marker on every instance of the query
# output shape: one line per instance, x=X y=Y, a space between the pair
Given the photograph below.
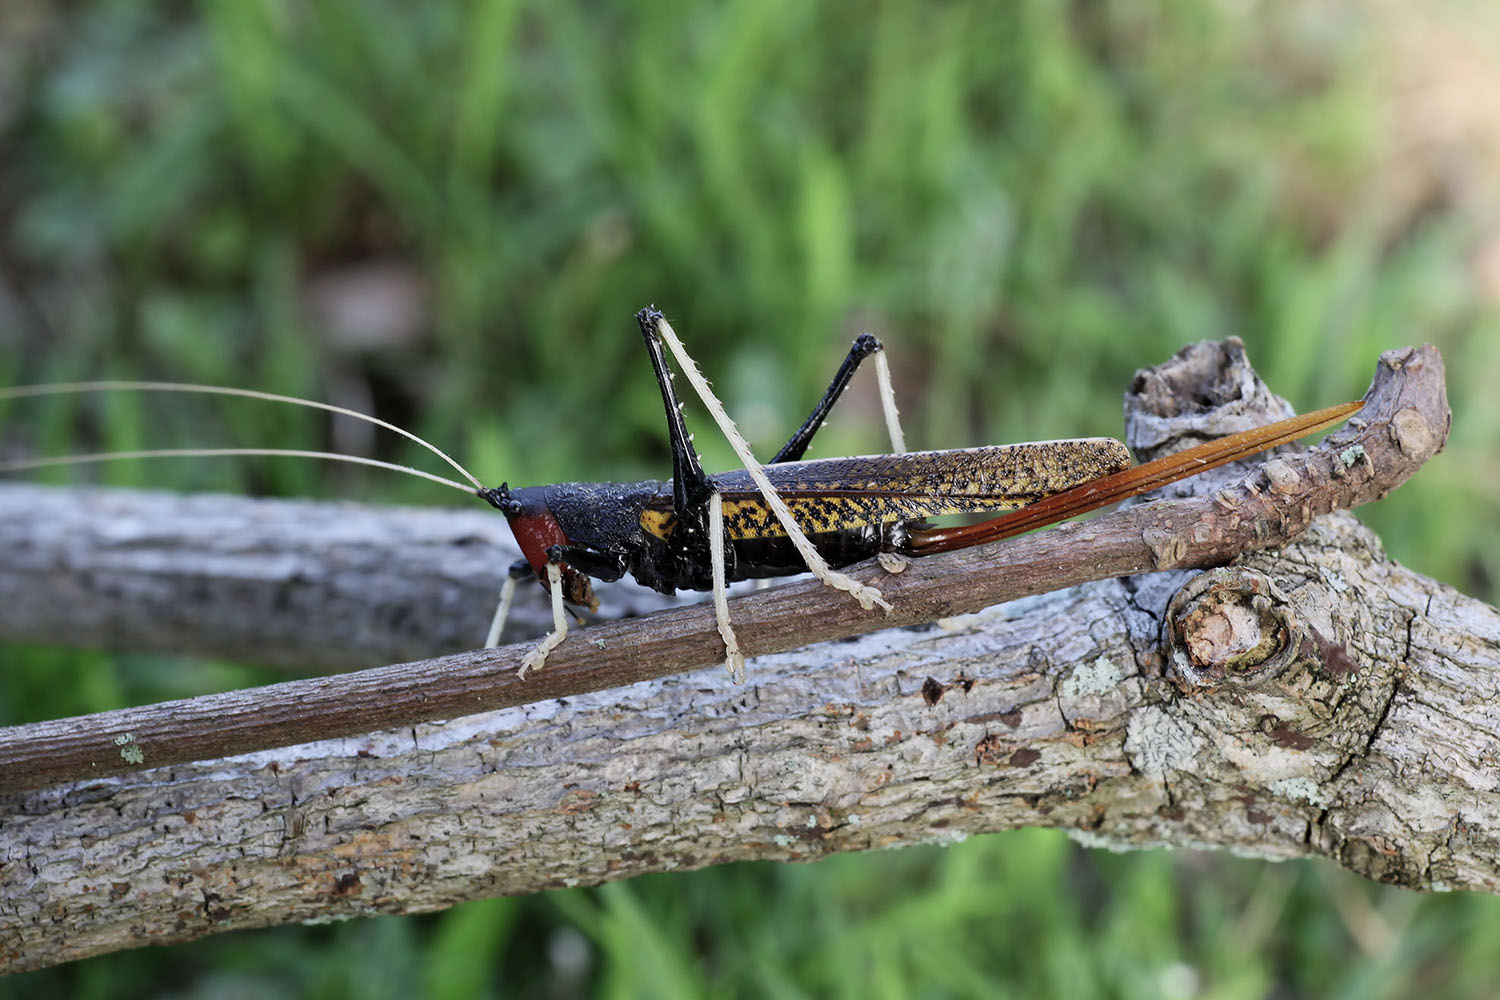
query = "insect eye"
x=499 y=497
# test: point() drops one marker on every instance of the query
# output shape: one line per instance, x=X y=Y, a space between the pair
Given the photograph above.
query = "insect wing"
x=836 y=494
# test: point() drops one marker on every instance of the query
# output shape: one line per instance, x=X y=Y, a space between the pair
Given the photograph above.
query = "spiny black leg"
x=867 y=596
x=864 y=346
x=690 y=489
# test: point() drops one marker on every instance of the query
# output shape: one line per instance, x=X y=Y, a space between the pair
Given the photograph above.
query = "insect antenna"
x=19 y=465
x=73 y=388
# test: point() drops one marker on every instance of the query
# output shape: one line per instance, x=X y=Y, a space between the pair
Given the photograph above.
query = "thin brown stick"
x=1404 y=423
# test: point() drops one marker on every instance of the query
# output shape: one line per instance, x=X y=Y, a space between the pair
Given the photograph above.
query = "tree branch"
x=1055 y=712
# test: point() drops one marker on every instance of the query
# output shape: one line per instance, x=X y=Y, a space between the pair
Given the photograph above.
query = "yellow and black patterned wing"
x=834 y=494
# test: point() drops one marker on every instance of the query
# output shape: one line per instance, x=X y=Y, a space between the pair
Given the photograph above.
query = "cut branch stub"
x=1230 y=626
x=1283 y=672
x=1167 y=404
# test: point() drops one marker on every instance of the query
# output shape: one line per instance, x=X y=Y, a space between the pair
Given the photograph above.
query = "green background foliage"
x=447 y=213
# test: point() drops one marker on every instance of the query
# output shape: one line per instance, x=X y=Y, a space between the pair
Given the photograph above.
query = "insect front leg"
x=605 y=566
x=538 y=656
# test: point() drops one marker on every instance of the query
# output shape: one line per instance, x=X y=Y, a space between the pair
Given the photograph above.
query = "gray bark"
x=1313 y=699
x=299 y=584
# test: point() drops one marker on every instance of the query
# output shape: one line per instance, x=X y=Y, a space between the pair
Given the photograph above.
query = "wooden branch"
x=1057 y=711
x=1405 y=421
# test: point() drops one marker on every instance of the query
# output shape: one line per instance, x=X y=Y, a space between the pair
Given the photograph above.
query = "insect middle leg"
x=734 y=660
x=864 y=346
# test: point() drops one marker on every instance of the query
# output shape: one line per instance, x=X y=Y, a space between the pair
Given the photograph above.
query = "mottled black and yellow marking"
x=836 y=494
x=658 y=522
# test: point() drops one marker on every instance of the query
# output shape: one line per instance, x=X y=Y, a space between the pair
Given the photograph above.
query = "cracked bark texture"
x=1313 y=699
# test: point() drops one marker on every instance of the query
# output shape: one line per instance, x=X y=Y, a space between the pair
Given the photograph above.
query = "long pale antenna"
x=71 y=388
x=20 y=464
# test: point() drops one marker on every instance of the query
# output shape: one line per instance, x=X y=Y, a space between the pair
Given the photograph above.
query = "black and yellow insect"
x=664 y=533
x=849 y=508
x=699 y=532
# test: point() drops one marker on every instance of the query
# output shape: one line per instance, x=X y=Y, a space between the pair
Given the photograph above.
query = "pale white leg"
x=553 y=639
x=867 y=596
x=888 y=403
x=890 y=561
x=502 y=612
x=734 y=660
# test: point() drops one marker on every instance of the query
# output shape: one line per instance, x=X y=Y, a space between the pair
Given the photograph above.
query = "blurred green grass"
x=1026 y=203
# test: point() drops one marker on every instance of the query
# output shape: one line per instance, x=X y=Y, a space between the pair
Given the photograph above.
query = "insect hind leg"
x=654 y=324
x=888 y=403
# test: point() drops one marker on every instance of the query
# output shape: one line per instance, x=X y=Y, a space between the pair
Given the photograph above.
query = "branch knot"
x=1230 y=626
